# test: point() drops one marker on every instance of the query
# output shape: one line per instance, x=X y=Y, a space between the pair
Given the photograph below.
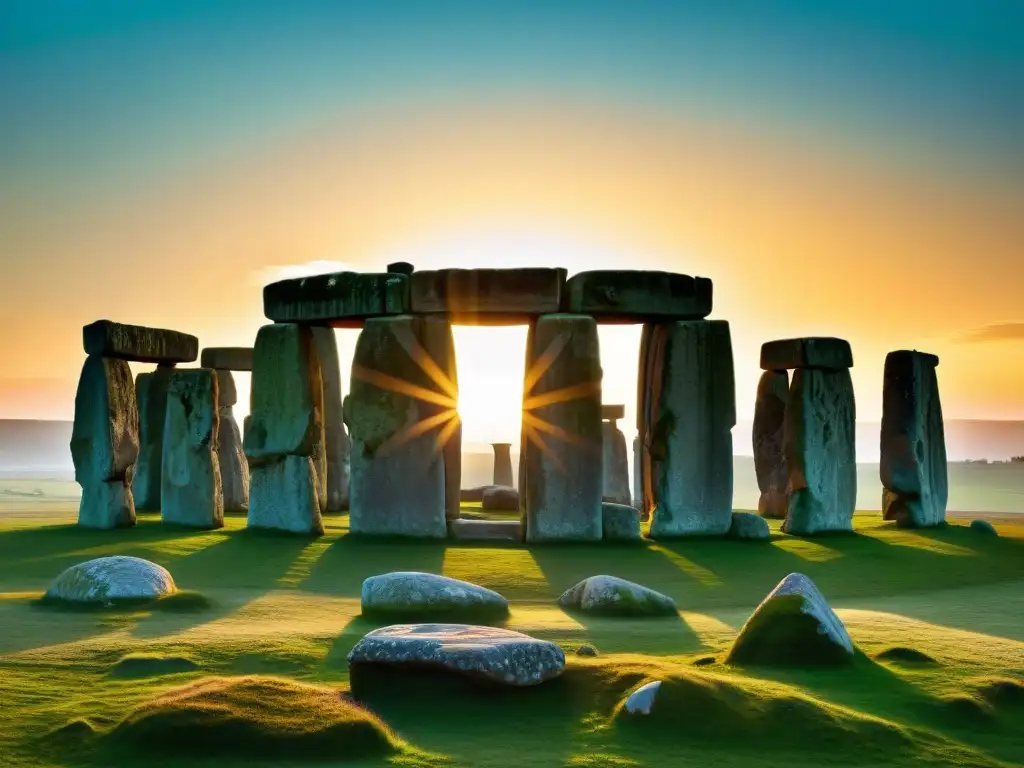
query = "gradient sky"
x=850 y=169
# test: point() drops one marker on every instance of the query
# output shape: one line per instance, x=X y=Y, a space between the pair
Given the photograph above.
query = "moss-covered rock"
x=613 y=596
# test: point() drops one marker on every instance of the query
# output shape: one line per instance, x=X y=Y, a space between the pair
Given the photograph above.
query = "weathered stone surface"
x=499 y=655
x=227 y=358
x=410 y=592
x=615 y=464
x=641 y=701
x=913 y=445
x=108 y=579
x=335 y=477
x=693 y=411
x=438 y=345
x=500 y=498
x=245 y=428
x=637 y=296
x=820 y=452
x=812 y=352
x=466 y=529
x=136 y=343
x=341 y=296
x=398 y=417
x=151 y=396
x=638 y=486
x=746 y=525
x=620 y=522
x=617 y=597
x=769 y=450
x=562 y=421
x=793 y=625
x=502 y=464
x=283 y=496
x=983 y=526
x=227 y=390
x=613 y=412
x=106 y=505
x=191 y=492
x=482 y=296
x=648 y=381
x=234 y=467
x=287 y=395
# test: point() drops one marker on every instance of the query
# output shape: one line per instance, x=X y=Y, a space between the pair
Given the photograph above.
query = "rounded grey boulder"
x=983 y=526
x=109 y=579
x=496 y=655
x=616 y=597
x=747 y=525
x=411 y=593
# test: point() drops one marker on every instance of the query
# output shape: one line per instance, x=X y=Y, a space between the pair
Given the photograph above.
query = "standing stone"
x=105 y=443
x=334 y=486
x=286 y=432
x=913 y=443
x=234 y=467
x=615 y=464
x=562 y=414
x=396 y=414
x=151 y=395
x=820 y=452
x=502 y=464
x=438 y=362
x=649 y=374
x=693 y=411
x=769 y=453
x=638 y=487
x=191 y=491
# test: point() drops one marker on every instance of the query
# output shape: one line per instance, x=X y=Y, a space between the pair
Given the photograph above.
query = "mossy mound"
x=965 y=711
x=781 y=633
x=901 y=655
x=137 y=665
x=254 y=717
x=1002 y=691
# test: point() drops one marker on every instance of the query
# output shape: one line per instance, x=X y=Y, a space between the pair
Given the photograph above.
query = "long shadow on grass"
x=341 y=569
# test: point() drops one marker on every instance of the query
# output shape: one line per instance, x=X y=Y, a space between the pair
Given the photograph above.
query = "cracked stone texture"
x=413 y=591
x=283 y=496
x=139 y=344
x=151 y=396
x=336 y=443
x=769 y=439
x=227 y=390
x=615 y=596
x=502 y=474
x=614 y=464
x=111 y=578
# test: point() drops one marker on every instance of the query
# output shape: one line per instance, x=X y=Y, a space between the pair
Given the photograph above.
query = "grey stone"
x=502 y=464
x=412 y=592
x=106 y=505
x=191 y=492
x=820 y=452
x=335 y=478
x=614 y=596
x=746 y=525
x=139 y=344
x=151 y=396
x=562 y=419
x=638 y=296
x=283 y=496
x=245 y=428
x=500 y=498
x=649 y=366
x=499 y=655
x=793 y=625
x=227 y=391
x=983 y=526
x=473 y=494
x=620 y=522
x=336 y=298
x=467 y=529
x=614 y=464
x=106 y=579
x=913 y=466
x=438 y=355
x=613 y=412
x=693 y=411
x=638 y=487
x=586 y=650
x=826 y=353
x=234 y=468
x=487 y=296
x=769 y=449
x=227 y=358
x=641 y=701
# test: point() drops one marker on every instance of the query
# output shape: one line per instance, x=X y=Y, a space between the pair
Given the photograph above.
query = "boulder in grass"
x=500 y=498
x=747 y=525
x=641 y=701
x=620 y=522
x=483 y=653
x=794 y=625
x=983 y=526
x=111 y=579
x=410 y=593
x=613 y=596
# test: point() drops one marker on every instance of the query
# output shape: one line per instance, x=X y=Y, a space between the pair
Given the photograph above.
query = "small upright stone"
x=620 y=522
x=769 y=450
x=191 y=492
x=746 y=525
x=336 y=445
x=615 y=462
x=234 y=467
x=151 y=395
x=502 y=464
x=913 y=445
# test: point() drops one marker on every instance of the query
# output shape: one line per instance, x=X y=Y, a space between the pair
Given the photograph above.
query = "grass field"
x=80 y=689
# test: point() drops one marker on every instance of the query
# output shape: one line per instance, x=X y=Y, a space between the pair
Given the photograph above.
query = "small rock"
x=107 y=579
x=500 y=498
x=614 y=596
x=984 y=526
x=586 y=650
x=411 y=592
x=641 y=701
x=705 y=661
x=746 y=525
x=620 y=522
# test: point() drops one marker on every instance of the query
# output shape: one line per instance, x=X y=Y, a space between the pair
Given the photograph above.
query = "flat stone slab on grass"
x=139 y=344
x=227 y=358
x=811 y=352
x=488 y=653
x=620 y=522
x=336 y=297
x=109 y=579
x=747 y=525
x=631 y=296
x=794 y=625
x=412 y=593
x=487 y=295
x=466 y=529
x=613 y=596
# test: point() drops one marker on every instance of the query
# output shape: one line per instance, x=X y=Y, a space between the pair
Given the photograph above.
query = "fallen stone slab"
x=109 y=579
x=827 y=353
x=336 y=297
x=151 y=396
x=483 y=296
x=769 y=444
x=412 y=594
x=500 y=498
x=467 y=529
x=139 y=344
x=620 y=522
x=227 y=358
x=632 y=296
x=612 y=596
x=793 y=625
x=499 y=656
x=283 y=496
x=746 y=525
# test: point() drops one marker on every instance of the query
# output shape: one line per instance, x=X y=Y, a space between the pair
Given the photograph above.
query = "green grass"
x=936 y=615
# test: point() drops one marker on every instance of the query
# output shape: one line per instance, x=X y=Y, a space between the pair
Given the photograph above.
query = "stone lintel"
x=139 y=344
x=826 y=353
x=637 y=296
x=613 y=412
x=487 y=296
x=227 y=358
x=904 y=356
x=336 y=298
